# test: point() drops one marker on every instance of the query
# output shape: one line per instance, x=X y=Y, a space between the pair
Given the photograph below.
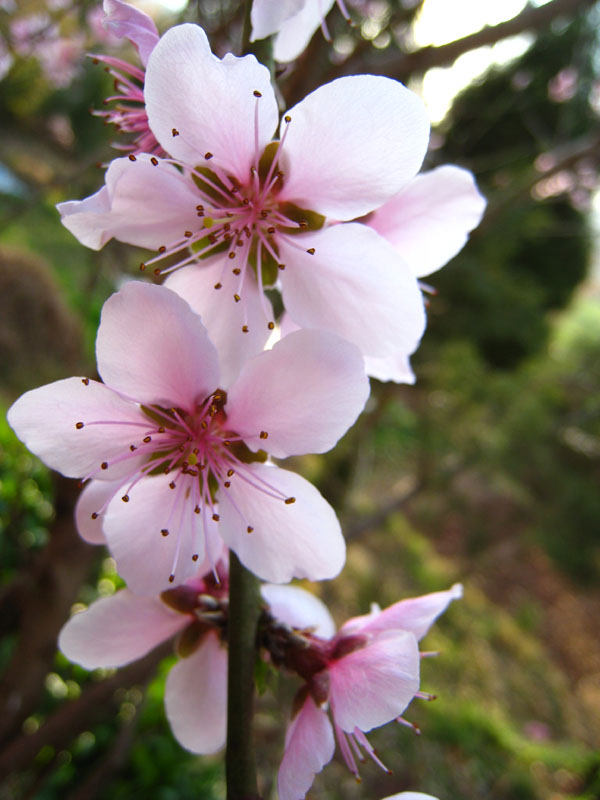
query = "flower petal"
x=196 y=697
x=299 y=540
x=354 y=285
x=145 y=556
x=416 y=614
x=93 y=498
x=267 y=17
x=352 y=144
x=153 y=347
x=168 y=201
x=430 y=220
x=223 y=317
x=127 y=21
x=373 y=685
x=296 y=32
x=208 y=102
x=411 y=796
x=309 y=745
x=390 y=368
x=304 y=393
x=116 y=630
x=46 y=419
x=298 y=608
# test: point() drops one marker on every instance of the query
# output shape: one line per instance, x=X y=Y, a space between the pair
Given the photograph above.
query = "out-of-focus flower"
x=239 y=211
x=173 y=439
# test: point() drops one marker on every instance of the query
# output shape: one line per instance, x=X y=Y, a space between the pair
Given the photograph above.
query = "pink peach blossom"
x=173 y=439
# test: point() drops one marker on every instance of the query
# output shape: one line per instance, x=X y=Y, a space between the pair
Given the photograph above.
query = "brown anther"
x=200 y=213
x=161 y=429
x=237 y=298
x=212 y=238
x=229 y=473
x=188 y=234
x=104 y=465
x=227 y=442
x=95 y=61
x=200 y=208
x=197 y=510
x=172 y=486
x=256 y=93
x=279 y=174
x=208 y=156
x=216 y=517
x=147 y=439
x=171 y=578
x=264 y=435
x=289 y=500
x=311 y=251
x=271 y=229
x=174 y=132
x=142 y=267
x=162 y=249
x=204 y=424
x=287 y=118
x=125 y=498
x=232 y=254
x=95 y=515
x=249 y=529
x=264 y=213
x=227 y=226
x=244 y=329
x=303 y=224
x=85 y=381
x=79 y=425
x=281 y=266
x=227 y=484
x=195 y=557
x=131 y=157
x=196 y=450
x=154 y=161
x=218 y=285
x=133 y=448
x=157 y=271
x=271 y=326
x=165 y=531
x=236 y=271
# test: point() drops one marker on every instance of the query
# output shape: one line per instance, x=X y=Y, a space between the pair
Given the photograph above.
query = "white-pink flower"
x=237 y=212
x=117 y=630
x=368 y=674
x=172 y=439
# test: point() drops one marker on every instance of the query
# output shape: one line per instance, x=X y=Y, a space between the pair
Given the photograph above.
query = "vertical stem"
x=244 y=611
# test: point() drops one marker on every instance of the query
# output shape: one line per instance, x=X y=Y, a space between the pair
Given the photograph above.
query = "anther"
x=85 y=381
x=229 y=473
x=79 y=425
x=172 y=486
x=216 y=517
x=142 y=267
x=271 y=326
x=311 y=251
x=174 y=131
x=132 y=157
x=197 y=510
x=218 y=285
x=236 y=270
x=133 y=448
x=287 y=118
x=199 y=208
x=95 y=515
x=256 y=93
x=125 y=498
x=208 y=156
x=289 y=500
x=104 y=465
x=303 y=224
x=204 y=424
x=263 y=434
x=162 y=249
x=244 y=329
x=157 y=271
x=147 y=439
x=154 y=161
x=237 y=298
x=195 y=557
x=281 y=266
x=271 y=229
x=249 y=529
x=232 y=254
x=227 y=442
x=161 y=429
x=171 y=578
x=165 y=531
x=188 y=234
x=227 y=484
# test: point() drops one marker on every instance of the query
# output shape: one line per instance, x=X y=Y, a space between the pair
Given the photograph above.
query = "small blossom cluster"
x=177 y=444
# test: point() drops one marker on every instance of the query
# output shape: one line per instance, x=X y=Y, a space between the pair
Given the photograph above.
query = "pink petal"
x=45 y=420
x=430 y=220
x=222 y=316
x=153 y=347
x=267 y=16
x=411 y=796
x=352 y=144
x=92 y=499
x=391 y=368
x=209 y=102
x=309 y=745
x=196 y=698
x=299 y=609
x=300 y=540
x=167 y=198
x=416 y=614
x=296 y=32
x=373 y=685
x=126 y=21
x=116 y=630
x=145 y=556
x=305 y=393
x=354 y=285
